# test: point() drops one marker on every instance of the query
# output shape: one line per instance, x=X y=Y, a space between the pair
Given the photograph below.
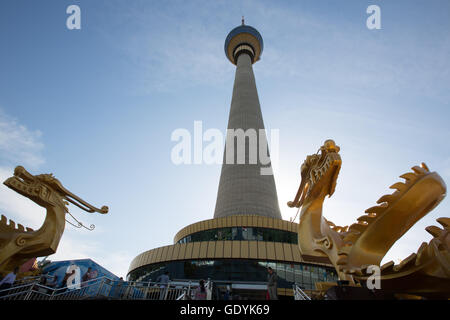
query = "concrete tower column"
x=243 y=190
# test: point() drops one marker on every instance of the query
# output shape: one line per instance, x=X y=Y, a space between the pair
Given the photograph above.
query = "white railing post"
x=27 y=296
x=100 y=287
x=147 y=294
x=209 y=290
x=299 y=294
x=167 y=291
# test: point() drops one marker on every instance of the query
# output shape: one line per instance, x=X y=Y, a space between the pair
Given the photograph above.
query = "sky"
x=97 y=106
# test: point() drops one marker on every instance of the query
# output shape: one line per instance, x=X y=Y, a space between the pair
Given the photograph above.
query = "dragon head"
x=319 y=174
x=46 y=191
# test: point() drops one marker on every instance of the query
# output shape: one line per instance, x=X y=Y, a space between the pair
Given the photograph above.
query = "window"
x=234 y=269
x=290 y=273
x=242 y=233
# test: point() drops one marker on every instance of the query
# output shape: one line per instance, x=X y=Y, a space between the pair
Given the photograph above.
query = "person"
x=272 y=284
x=163 y=281
x=64 y=282
x=8 y=280
x=89 y=275
x=200 y=292
x=118 y=289
x=53 y=283
x=43 y=285
x=127 y=290
x=227 y=294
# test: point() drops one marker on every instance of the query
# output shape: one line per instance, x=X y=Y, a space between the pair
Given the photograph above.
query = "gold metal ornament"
x=19 y=244
x=352 y=249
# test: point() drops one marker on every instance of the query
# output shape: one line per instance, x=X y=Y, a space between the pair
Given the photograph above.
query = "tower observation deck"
x=243 y=189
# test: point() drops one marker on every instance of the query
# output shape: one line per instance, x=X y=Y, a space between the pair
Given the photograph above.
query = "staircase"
x=299 y=294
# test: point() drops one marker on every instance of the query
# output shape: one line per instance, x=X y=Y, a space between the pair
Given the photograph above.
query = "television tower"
x=243 y=190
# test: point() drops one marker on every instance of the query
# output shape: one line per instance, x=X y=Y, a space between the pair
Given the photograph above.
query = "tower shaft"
x=243 y=190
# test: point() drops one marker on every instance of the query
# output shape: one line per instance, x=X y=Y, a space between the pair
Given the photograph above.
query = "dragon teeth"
x=434 y=231
x=419 y=170
x=386 y=198
x=387 y=267
x=377 y=209
x=400 y=186
x=445 y=222
x=421 y=250
x=358 y=227
x=410 y=260
x=409 y=176
x=424 y=166
x=366 y=218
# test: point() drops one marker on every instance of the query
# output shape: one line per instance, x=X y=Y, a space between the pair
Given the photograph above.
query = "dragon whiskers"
x=79 y=224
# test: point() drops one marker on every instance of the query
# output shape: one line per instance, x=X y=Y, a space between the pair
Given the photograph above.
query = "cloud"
x=117 y=262
x=164 y=50
x=18 y=144
x=182 y=46
x=71 y=248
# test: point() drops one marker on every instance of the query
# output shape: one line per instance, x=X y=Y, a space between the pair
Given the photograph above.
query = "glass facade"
x=304 y=275
x=242 y=233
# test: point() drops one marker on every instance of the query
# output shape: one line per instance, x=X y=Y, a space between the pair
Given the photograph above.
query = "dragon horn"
x=300 y=196
x=80 y=203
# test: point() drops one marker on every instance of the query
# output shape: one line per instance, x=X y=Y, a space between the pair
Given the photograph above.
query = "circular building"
x=235 y=251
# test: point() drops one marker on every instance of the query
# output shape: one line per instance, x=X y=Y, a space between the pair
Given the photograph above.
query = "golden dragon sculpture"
x=19 y=244
x=352 y=249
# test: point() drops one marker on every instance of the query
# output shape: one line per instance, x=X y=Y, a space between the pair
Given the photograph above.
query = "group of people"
x=163 y=280
x=8 y=281
x=89 y=275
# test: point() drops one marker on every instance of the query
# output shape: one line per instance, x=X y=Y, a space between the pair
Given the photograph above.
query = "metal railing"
x=31 y=279
x=299 y=294
x=101 y=288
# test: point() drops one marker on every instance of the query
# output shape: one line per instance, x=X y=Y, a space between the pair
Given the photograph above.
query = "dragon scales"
x=352 y=249
x=19 y=244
